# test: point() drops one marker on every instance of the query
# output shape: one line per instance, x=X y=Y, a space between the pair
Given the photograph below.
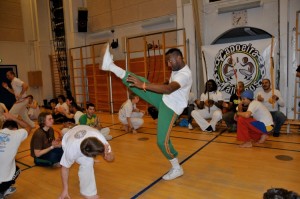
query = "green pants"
x=166 y=117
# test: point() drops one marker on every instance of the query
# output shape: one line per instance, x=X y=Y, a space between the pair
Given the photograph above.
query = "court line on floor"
x=182 y=162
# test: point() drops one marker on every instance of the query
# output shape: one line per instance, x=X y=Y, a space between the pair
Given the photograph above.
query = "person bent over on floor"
x=255 y=123
x=130 y=116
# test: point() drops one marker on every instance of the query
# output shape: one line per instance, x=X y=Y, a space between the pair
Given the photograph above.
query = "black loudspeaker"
x=82 y=20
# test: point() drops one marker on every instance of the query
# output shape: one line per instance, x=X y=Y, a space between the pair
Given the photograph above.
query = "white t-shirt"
x=63 y=105
x=216 y=96
x=10 y=141
x=126 y=109
x=17 y=84
x=178 y=100
x=71 y=144
x=260 y=113
x=267 y=96
x=77 y=115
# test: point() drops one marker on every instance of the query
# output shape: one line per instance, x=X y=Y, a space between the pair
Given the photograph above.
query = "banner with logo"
x=247 y=61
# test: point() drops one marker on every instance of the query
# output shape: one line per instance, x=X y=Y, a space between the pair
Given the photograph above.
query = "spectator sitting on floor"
x=129 y=115
x=255 y=123
x=33 y=108
x=209 y=105
x=91 y=119
x=45 y=149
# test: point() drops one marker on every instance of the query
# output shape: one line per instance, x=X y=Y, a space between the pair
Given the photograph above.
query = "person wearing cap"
x=255 y=123
x=272 y=100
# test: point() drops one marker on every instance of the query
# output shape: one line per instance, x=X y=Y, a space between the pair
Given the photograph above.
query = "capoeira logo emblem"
x=239 y=62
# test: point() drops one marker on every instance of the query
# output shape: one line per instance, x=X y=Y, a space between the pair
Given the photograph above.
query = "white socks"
x=175 y=163
x=119 y=72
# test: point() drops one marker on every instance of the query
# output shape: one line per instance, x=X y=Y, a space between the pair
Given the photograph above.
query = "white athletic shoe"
x=9 y=191
x=190 y=126
x=107 y=59
x=173 y=173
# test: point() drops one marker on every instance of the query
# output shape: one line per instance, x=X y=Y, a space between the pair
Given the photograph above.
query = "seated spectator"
x=91 y=119
x=60 y=108
x=255 y=123
x=45 y=149
x=10 y=140
x=129 y=115
x=272 y=100
x=230 y=108
x=209 y=105
x=33 y=108
x=76 y=111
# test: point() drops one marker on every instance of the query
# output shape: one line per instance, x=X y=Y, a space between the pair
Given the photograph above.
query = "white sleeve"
x=280 y=100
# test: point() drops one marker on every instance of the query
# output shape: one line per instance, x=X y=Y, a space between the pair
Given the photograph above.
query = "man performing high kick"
x=170 y=100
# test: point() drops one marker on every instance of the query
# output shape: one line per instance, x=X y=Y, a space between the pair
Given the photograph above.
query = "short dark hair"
x=174 y=51
x=30 y=96
x=11 y=72
x=54 y=100
x=132 y=96
x=42 y=118
x=10 y=124
x=280 y=193
x=90 y=104
x=62 y=97
x=214 y=85
x=91 y=147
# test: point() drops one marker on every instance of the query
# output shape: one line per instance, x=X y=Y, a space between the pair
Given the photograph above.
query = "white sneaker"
x=107 y=59
x=173 y=173
x=9 y=191
x=190 y=126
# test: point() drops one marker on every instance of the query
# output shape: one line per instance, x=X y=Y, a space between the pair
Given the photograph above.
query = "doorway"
x=5 y=96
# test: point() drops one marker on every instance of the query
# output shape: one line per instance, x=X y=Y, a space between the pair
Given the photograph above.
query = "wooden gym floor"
x=215 y=167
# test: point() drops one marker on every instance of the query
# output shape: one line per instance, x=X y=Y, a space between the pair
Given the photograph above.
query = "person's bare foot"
x=134 y=131
x=126 y=129
x=246 y=145
x=262 y=139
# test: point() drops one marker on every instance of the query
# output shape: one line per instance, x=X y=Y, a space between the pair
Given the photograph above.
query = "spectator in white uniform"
x=130 y=116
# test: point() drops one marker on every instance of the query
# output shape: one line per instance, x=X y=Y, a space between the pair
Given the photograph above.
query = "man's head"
x=241 y=87
x=134 y=98
x=61 y=99
x=74 y=107
x=10 y=75
x=45 y=119
x=174 y=59
x=53 y=103
x=90 y=109
x=91 y=147
x=10 y=124
x=211 y=85
x=69 y=100
x=266 y=84
x=30 y=98
x=247 y=96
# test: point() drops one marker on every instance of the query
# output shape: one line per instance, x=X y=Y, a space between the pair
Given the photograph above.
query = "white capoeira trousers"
x=19 y=108
x=201 y=115
x=135 y=119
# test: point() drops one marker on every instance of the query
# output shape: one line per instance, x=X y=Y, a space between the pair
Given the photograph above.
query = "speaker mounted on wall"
x=82 y=19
